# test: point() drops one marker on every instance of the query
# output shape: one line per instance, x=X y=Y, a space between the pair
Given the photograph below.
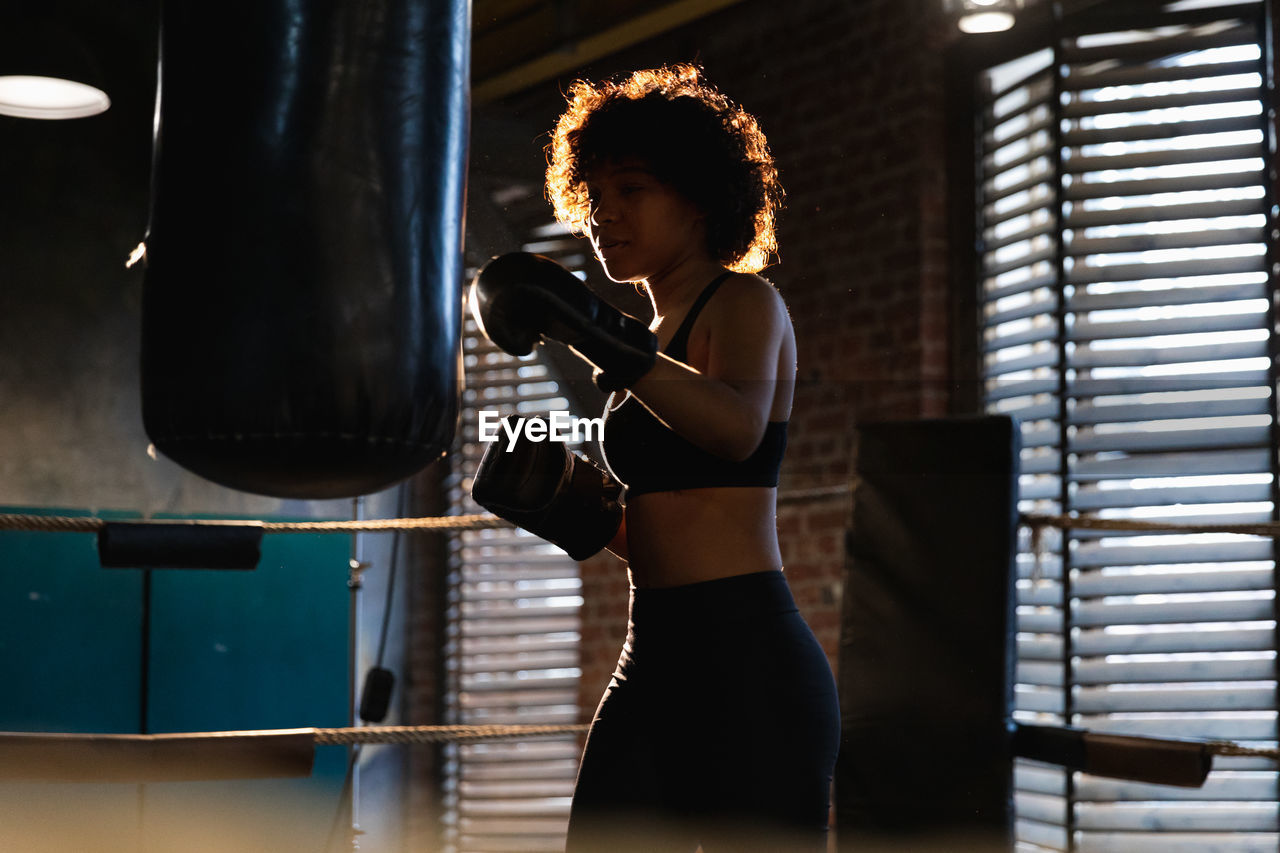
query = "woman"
x=720 y=726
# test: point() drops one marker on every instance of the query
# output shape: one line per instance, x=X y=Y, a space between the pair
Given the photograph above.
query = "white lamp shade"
x=26 y=96
x=986 y=22
x=983 y=16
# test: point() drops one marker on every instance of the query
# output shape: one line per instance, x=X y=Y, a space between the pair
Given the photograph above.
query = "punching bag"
x=301 y=302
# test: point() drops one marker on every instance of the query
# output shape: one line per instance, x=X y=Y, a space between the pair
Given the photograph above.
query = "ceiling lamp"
x=46 y=72
x=983 y=16
x=26 y=96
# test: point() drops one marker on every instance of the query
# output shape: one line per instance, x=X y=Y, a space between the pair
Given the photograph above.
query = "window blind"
x=1127 y=321
x=513 y=612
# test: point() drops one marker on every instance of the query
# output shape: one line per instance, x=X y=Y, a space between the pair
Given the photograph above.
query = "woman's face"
x=641 y=227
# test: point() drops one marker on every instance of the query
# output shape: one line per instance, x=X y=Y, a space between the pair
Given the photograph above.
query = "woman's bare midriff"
x=694 y=535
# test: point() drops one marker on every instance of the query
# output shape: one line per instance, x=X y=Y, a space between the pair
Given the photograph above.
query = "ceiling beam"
x=579 y=52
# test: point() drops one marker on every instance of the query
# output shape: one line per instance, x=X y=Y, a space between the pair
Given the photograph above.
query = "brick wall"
x=850 y=95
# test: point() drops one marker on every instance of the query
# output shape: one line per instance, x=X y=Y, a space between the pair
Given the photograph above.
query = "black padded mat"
x=926 y=650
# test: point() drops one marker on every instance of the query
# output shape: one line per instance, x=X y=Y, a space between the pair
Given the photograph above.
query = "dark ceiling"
x=519 y=43
x=516 y=44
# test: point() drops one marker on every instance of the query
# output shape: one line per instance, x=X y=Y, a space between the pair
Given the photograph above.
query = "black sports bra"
x=649 y=457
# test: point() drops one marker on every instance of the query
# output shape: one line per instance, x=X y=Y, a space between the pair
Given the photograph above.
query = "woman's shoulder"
x=750 y=297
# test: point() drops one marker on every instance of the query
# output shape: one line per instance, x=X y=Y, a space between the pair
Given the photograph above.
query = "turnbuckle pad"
x=179 y=545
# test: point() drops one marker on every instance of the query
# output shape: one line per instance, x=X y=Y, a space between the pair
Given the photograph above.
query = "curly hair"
x=691 y=137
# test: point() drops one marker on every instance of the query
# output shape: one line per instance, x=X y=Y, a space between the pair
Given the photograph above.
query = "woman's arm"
x=618 y=544
x=722 y=405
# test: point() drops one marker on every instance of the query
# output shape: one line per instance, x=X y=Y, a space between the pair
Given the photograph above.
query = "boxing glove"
x=520 y=298
x=544 y=488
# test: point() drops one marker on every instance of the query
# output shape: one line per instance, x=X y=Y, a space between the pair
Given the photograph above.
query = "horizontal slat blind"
x=1020 y=232
x=513 y=624
x=1125 y=291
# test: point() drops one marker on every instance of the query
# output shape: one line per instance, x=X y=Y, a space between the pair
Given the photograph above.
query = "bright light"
x=49 y=98
x=986 y=22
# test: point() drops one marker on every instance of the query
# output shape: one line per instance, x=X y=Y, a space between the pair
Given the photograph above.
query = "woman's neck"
x=679 y=286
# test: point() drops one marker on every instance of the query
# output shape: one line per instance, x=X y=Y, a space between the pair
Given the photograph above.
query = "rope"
x=439 y=734
x=51 y=522
x=1224 y=747
x=88 y=524
x=483 y=521
x=1036 y=522
x=444 y=522
x=463 y=734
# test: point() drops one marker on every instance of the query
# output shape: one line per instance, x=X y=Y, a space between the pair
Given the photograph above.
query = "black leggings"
x=720 y=726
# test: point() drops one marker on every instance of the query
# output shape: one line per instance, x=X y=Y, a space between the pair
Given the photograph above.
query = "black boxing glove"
x=544 y=488
x=520 y=298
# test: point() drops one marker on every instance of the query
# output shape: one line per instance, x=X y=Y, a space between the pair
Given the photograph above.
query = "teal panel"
x=70 y=634
x=70 y=661
x=228 y=651
x=265 y=649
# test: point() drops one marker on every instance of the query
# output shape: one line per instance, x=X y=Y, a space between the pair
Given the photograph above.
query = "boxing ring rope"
x=163 y=756
x=480 y=521
x=89 y=524
x=1228 y=749
x=204 y=756
x=440 y=734
x=1035 y=521
x=1038 y=522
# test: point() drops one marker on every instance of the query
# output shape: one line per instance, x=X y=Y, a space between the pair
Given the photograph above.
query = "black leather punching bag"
x=301 y=305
